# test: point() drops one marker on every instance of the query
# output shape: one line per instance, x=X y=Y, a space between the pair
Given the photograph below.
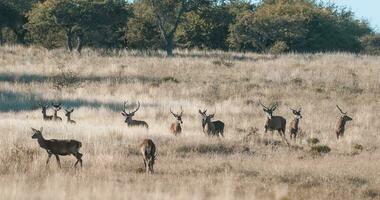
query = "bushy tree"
x=95 y=23
x=206 y=27
x=371 y=44
x=302 y=25
x=142 y=30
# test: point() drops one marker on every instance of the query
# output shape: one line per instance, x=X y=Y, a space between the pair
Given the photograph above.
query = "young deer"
x=44 y=115
x=274 y=123
x=128 y=117
x=294 y=125
x=58 y=147
x=56 y=108
x=211 y=128
x=68 y=115
x=340 y=126
x=148 y=151
x=175 y=127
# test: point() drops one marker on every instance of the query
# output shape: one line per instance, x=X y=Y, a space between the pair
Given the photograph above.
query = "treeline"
x=269 y=26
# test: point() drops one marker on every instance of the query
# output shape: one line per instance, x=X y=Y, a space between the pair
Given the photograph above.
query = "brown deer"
x=175 y=127
x=128 y=117
x=148 y=151
x=44 y=115
x=68 y=115
x=274 y=123
x=294 y=125
x=211 y=128
x=58 y=147
x=56 y=108
x=340 y=126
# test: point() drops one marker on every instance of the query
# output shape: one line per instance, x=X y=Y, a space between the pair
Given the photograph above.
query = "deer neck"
x=296 y=122
x=55 y=113
x=42 y=142
x=69 y=118
x=342 y=123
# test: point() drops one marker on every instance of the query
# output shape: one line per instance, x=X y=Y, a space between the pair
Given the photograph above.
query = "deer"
x=340 y=126
x=44 y=115
x=68 y=115
x=294 y=124
x=128 y=118
x=274 y=123
x=56 y=108
x=58 y=147
x=148 y=151
x=175 y=127
x=211 y=128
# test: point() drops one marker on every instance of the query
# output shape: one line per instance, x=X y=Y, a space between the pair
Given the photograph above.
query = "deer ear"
x=123 y=114
x=200 y=112
x=33 y=129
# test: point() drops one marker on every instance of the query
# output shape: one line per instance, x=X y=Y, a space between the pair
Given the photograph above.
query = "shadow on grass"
x=17 y=101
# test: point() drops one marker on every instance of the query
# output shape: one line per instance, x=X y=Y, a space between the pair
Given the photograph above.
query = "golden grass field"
x=245 y=164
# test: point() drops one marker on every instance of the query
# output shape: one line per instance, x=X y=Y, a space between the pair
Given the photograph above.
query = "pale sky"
x=363 y=9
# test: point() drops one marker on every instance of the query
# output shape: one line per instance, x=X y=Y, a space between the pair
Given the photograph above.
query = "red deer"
x=56 y=108
x=68 y=115
x=343 y=119
x=58 y=147
x=211 y=128
x=175 y=127
x=44 y=115
x=148 y=151
x=274 y=123
x=294 y=125
x=128 y=117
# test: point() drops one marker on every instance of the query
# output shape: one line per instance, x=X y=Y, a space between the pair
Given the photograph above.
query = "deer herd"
x=147 y=147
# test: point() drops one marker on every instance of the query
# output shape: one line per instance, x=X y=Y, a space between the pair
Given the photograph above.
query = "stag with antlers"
x=274 y=123
x=44 y=115
x=175 y=127
x=294 y=125
x=128 y=117
x=211 y=128
x=340 y=126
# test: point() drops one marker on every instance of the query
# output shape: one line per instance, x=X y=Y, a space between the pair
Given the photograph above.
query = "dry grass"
x=246 y=164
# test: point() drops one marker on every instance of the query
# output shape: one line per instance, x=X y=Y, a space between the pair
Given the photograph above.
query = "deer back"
x=63 y=147
x=276 y=123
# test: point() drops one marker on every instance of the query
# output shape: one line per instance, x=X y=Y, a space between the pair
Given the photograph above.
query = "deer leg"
x=79 y=159
x=58 y=161
x=49 y=156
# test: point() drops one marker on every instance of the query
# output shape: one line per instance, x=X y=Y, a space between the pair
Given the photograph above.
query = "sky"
x=363 y=9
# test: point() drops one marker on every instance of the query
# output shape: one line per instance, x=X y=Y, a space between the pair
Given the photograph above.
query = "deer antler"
x=138 y=107
x=263 y=105
x=173 y=113
x=181 y=112
x=343 y=113
x=274 y=106
x=124 y=106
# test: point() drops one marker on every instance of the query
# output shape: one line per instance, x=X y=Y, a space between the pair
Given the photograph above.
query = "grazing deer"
x=56 y=108
x=58 y=147
x=176 y=128
x=44 y=115
x=211 y=128
x=148 y=151
x=340 y=127
x=128 y=117
x=68 y=115
x=294 y=125
x=274 y=123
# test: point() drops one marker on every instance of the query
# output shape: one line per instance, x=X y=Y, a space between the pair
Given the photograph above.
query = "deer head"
x=177 y=116
x=129 y=114
x=44 y=107
x=68 y=112
x=344 y=115
x=269 y=111
x=37 y=133
x=296 y=113
x=206 y=118
x=56 y=107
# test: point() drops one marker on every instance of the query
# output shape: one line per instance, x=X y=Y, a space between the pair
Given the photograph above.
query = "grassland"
x=246 y=164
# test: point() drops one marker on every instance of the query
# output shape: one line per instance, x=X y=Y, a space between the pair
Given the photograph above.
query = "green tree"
x=371 y=44
x=168 y=15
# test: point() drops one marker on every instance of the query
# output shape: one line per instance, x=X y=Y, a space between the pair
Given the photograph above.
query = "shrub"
x=320 y=149
x=312 y=141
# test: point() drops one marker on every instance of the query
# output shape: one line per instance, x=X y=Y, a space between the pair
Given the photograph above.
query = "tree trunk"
x=69 y=37
x=169 y=45
x=80 y=42
x=1 y=36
